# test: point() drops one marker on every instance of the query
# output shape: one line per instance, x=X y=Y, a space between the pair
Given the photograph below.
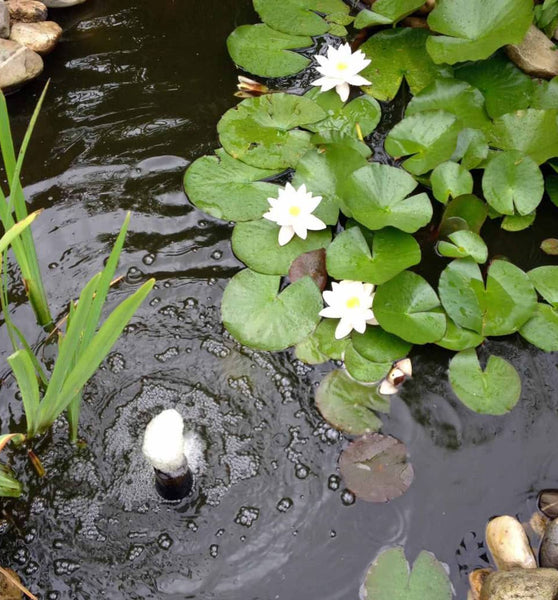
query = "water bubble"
x=32 y=567
x=301 y=471
x=134 y=275
x=220 y=532
x=164 y=541
x=247 y=515
x=242 y=538
x=116 y=362
x=53 y=595
x=333 y=482
x=21 y=556
x=192 y=525
x=284 y=504
x=202 y=224
x=211 y=281
x=217 y=255
x=167 y=354
x=53 y=265
x=30 y=535
x=332 y=533
x=166 y=284
x=155 y=301
x=135 y=551
x=148 y=259
x=58 y=544
x=190 y=303
x=213 y=550
x=347 y=497
x=65 y=566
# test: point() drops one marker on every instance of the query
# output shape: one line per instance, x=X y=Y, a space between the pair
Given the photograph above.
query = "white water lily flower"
x=340 y=70
x=292 y=211
x=350 y=301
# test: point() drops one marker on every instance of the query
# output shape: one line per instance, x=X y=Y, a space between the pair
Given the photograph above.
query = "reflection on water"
x=135 y=96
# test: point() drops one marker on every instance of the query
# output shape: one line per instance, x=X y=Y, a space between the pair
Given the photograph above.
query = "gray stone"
x=18 y=65
x=521 y=584
x=548 y=554
x=39 y=37
x=4 y=20
x=536 y=55
x=62 y=3
x=27 y=11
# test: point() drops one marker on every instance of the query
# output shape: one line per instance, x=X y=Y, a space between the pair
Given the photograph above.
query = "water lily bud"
x=249 y=88
x=387 y=388
x=405 y=365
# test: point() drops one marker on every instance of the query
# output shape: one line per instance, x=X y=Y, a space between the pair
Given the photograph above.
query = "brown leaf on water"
x=312 y=264
x=550 y=246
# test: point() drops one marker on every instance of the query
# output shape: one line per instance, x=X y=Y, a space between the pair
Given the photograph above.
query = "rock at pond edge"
x=521 y=584
x=18 y=65
x=27 y=11
x=40 y=37
x=536 y=55
x=507 y=541
x=4 y=20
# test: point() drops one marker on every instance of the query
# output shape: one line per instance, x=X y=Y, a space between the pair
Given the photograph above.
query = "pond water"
x=136 y=92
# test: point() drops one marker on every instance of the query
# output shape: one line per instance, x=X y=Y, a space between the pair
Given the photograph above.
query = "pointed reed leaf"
x=15 y=230
x=9 y=486
x=24 y=371
x=8 y=437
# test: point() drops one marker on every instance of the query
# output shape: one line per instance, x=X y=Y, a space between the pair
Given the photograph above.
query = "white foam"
x=193 y=451
x=163 y=441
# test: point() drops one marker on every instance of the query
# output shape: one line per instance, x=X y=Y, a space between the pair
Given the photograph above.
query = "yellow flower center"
x=342 y=66
x=294 y=211
x=353 y=302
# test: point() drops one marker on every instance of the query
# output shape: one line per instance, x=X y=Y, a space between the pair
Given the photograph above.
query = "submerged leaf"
x=468 y=210
x=375 y=468
x=494 y=391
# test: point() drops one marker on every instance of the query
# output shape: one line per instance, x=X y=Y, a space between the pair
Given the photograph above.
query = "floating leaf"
x=376 y=260
x=324 y=171
x=376 y=196
x=463 y=244
x=390 y=578
x=363 y=111
x=263 y=51
x=513 y=183
x=532 y=132
x=256 y=244
x=322 y=345
x=378 y=345
x=311 y=264
x=408 y=307
x=455 y=97
x=550 y=246
x=300 y=17
x=397 y=54
x=362 y=369
x=456 y=338
x=261 y=131
x=349 y=405
x=518 y=222
x=227 y=188
x=375 y=468
x=471 y=149
x=500 y=308
x=545 y=94
x=541 y=329
x=469 y=210
x=386 y=12
x=474 y=29
x=545 y=280
x=430 y=137
x=309 y=352
x=257 y=316
x=494 y=391
x=450 y=180
x=504 y=87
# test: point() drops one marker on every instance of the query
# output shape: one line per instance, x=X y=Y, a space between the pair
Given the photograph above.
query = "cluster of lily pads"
x=313 y=207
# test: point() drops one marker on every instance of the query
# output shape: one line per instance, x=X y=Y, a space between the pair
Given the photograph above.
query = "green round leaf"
x=471 y=149
x=261 y=131
x=518 y=222
x=227 y=188
x=263 y=51
x=504 y=87
x=378 y=345
x=455 y=97
x=257 y=316
x=349 y=405
x=390 y=578
x=469 y=209
x=322 y=345
x=386 y=12
x=545 y=94
x=494 y=391
x=255 y=244
x=430 y=137
x=474 y=29
x=545 y=280
x=299 y=17
x=463 y=244
x=531 y=132
x=397 y=54
x=551 y=185
x=513 y=183
x=456 y=338
x=376 y=196
x=408 y=307
x=542 y=328
x=362 y=369
x=450 y=180
x=385 y=254
x=308 y=352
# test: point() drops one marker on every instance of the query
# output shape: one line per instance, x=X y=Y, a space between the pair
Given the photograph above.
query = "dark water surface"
x=136 y=92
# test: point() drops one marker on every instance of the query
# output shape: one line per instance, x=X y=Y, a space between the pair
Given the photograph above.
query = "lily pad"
x=545 y=93
x=450 y=180
x=397 y=54
x=263 y=51
x=531 y=132
x=262 y=131
x=376 y=260
x=494 y=391
x=363 y=111
x=310 y=264
x=430 y=137
x=300 y=17
x=322 y=345
x=375 y=468
x=471 y=149
x=256 y=315
x=545 y=280
x=468 y=209
x=550 y=246
x=378 y=345
x=408 y=307
x=463 y=244
x=541 y=329
x=390 y=578
x=349 y=405
x=513 y=183
x=505 y=87
x=256 y=244
x=475 y=29
x=229 y=189
x=518 y=222
x=500 y=308
x=551 y=185
x=455 y=97
x=456 y=338
x=376 y=196
x=362 y=369
x=386 y=12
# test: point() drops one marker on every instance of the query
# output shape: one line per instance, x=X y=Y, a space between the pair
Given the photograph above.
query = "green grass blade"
x=74 y=410
x=24 y=372
x=93 y=355
x=6 y=140
x=9 y=486
x=16 y=230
